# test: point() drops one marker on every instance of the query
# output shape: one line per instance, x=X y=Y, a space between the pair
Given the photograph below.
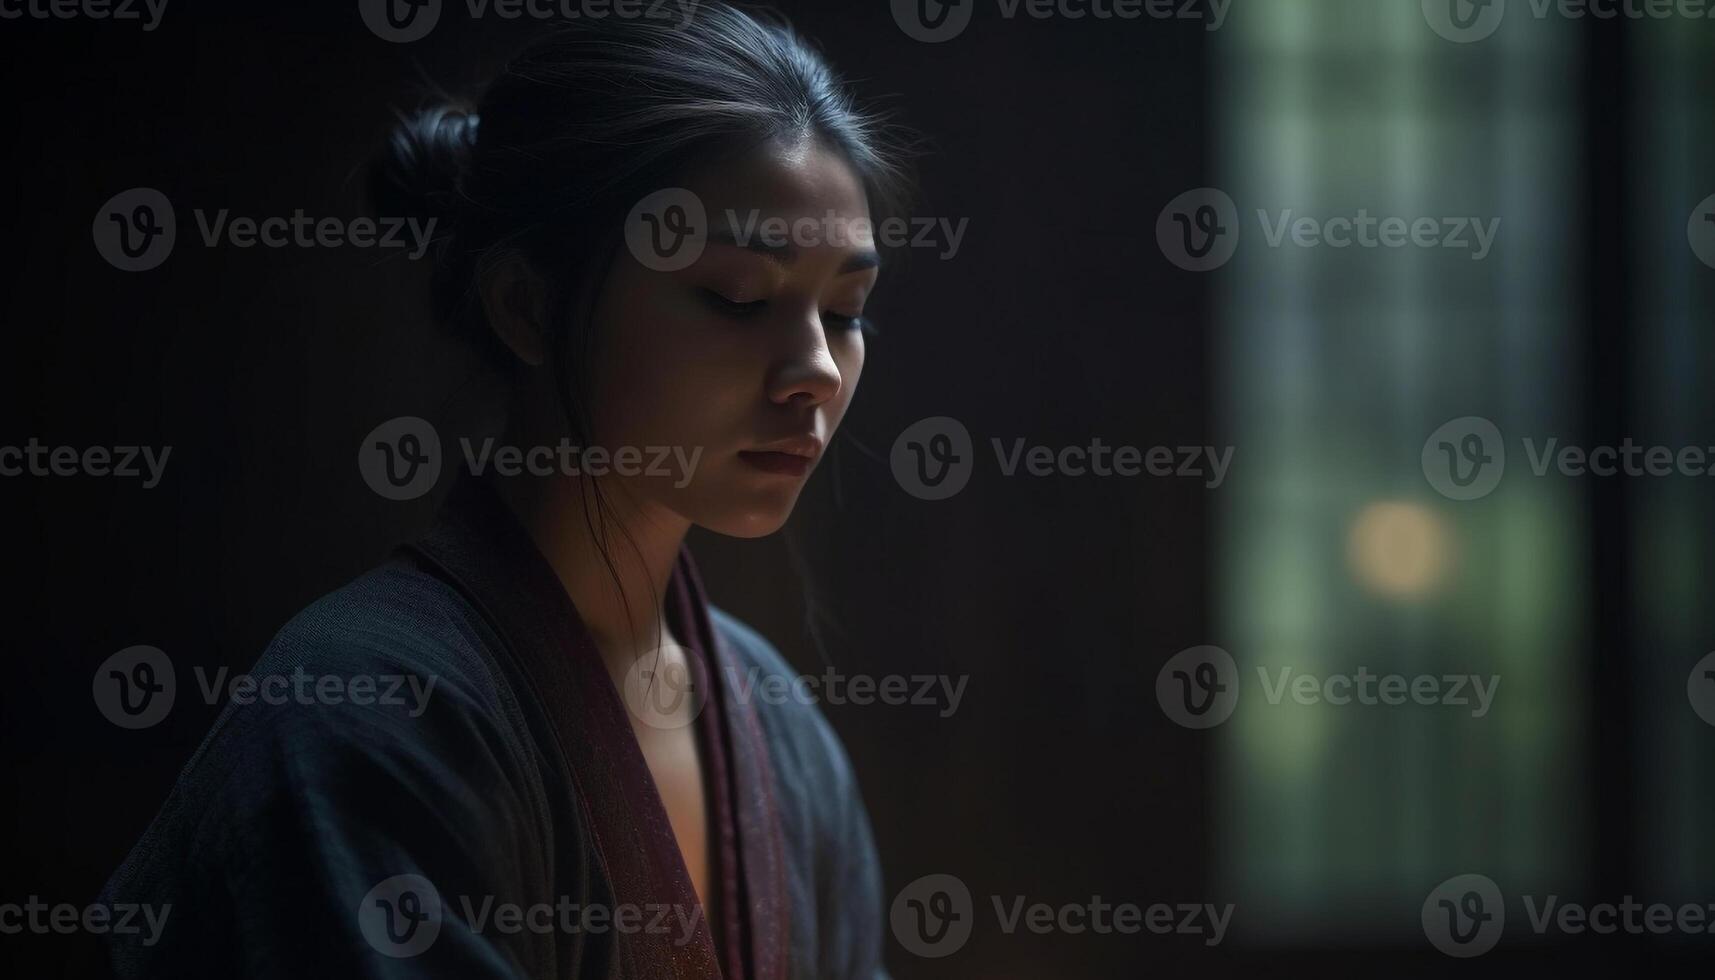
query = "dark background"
x=1058 y=778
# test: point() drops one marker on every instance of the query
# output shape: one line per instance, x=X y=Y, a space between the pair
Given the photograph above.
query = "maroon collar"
x=482 y=550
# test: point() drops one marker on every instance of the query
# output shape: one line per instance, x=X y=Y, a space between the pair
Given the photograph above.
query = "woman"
x=556 y=807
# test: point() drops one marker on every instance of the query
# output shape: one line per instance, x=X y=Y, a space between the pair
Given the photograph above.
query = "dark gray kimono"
x=510 y=827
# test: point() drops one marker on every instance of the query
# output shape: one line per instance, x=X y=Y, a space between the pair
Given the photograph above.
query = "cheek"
x=663 y=375
x=848 y=351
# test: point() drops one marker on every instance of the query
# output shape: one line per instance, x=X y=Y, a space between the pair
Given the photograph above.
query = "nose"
x=805 y=371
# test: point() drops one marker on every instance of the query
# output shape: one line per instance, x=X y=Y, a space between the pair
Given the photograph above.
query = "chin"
x=752 y=519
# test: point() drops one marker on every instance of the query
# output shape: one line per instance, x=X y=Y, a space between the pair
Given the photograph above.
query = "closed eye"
x=733 y=308
x=845 y=321
x=730 y=307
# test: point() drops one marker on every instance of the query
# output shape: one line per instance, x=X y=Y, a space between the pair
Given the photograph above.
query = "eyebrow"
x=786 y=252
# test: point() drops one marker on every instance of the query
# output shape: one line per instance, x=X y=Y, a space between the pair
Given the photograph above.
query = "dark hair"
x=586 y=122
x=581 y=126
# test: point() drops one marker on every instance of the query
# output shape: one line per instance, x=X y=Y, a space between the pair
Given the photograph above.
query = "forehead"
x=782 y=177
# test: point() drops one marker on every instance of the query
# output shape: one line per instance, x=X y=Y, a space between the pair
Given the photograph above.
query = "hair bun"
x=419 y=172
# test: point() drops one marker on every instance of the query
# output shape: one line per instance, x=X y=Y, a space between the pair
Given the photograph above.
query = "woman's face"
x=742 y=363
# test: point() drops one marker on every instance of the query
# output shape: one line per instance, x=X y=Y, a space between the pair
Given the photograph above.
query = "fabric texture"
x=503 y=825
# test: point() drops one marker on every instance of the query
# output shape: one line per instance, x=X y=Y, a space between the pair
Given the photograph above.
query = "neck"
x=621 y=596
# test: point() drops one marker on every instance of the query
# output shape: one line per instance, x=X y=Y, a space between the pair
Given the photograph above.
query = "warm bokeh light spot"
x=1398 y=549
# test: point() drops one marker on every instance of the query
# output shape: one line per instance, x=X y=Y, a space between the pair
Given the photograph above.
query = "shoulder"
x=393 y=658
x=397 y=615
x=380 y=694
x=372 y=736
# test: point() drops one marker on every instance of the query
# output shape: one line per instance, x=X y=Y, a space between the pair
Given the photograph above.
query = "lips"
x=792 y=457
x=784 y=463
